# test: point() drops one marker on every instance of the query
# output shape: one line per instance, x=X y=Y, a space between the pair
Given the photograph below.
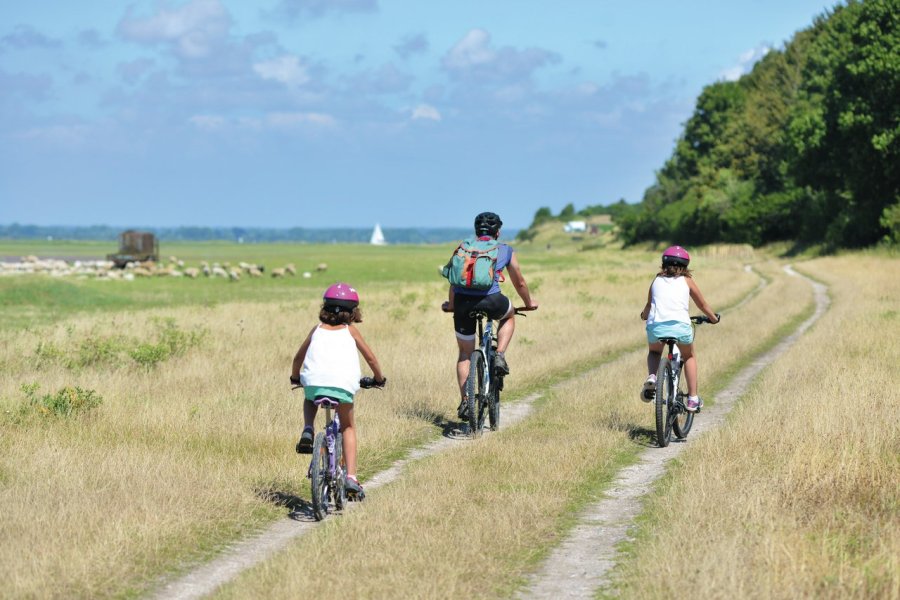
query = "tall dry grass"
x=473 y=522
x=183 y=456
x=799 y=496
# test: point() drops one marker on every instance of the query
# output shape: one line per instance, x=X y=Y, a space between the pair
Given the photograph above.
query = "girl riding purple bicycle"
x=327 y=365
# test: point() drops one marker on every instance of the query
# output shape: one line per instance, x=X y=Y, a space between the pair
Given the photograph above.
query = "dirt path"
x=242 y=555
x=581 y=563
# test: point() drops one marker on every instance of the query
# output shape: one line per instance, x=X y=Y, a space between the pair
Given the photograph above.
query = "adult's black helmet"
x=488 y=223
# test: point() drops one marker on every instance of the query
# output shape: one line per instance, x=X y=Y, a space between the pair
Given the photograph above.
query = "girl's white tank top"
x=670 y=299
x=332 y=360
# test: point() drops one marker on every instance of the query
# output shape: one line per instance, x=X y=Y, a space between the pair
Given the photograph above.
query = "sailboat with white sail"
x=377 y=236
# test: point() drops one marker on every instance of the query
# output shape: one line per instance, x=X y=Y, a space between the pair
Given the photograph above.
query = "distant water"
x=246 y=235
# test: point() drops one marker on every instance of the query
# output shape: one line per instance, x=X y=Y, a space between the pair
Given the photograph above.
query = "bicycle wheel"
x=318 y=475
x=482 y=403
x=340 y=487
x=683 y=419
x=663 y=403
x=494 y=405
x=475 y=392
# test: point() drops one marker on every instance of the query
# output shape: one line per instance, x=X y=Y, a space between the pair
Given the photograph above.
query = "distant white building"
x=575 y=227
x=377 y=236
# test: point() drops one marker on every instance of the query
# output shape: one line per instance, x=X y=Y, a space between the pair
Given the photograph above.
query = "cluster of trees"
x=249 y=235
x=806 y=147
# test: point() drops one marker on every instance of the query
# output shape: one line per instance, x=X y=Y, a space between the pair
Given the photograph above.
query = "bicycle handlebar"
x=365 y=383
x=371 y=382
x=698 y=319
x=518 y=309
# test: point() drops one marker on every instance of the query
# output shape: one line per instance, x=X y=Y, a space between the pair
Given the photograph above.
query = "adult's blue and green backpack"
x=473 y=264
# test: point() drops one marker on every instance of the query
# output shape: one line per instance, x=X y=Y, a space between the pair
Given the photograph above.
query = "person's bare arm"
x=700 y=301
x=448 y=305
x=518 y=281
x=646 y=312
x=367 y=353
x=301 y=355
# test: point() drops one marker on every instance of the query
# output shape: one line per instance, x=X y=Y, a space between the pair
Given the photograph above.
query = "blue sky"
x=323 y=113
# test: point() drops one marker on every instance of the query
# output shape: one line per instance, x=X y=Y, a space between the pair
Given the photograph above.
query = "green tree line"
x=805 y=147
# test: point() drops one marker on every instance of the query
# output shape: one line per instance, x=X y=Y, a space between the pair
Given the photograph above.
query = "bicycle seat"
x=668 y=340
x=478 y=314
x=326 y=401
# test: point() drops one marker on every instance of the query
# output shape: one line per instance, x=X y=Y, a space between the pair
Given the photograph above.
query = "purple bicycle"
x=327 y=469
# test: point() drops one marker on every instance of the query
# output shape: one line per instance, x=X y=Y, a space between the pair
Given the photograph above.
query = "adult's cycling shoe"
x=500 y=366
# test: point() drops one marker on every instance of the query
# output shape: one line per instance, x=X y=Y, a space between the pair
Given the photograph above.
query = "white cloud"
x=745 y=63
x=317 y=8
x=193 y=29
x=58 y=135
x=274 y=121
x=426 y=112
x=131 y=72
x=412 y=44
x=288 y=120
x=207 y=122
x=472 y=50
x=26 y=36
x=286 y=69
x=474 y=57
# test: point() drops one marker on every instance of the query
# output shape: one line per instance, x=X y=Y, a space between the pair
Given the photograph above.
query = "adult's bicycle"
x=327 y=469
x=671 y=395
x=484 y=384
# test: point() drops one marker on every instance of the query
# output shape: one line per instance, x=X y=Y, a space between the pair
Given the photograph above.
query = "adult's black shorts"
x=495 y=305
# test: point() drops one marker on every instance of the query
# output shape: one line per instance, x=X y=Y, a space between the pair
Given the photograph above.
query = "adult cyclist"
x=462 y=302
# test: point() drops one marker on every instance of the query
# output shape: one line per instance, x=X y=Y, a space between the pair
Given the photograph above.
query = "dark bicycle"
x=484 y=383
x=327 y=469
x=670 y=397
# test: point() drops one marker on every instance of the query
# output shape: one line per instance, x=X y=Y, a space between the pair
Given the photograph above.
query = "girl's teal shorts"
x=682 y=332
x=311 y=392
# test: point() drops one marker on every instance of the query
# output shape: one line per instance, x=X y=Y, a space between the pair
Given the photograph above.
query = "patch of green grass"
x=113 y=351
x=34 y=300
x=172 y=342
x=69 y=401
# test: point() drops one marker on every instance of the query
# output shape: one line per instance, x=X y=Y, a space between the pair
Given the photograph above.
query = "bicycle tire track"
x=580 y=565
x=238 y=556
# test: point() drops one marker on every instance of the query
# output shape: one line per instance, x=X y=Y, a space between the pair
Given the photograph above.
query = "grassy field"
x=147 y=423
x=799 y=496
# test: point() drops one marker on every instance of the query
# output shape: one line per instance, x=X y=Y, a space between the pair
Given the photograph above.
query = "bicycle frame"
x=332 y=427
x=486 y=348
x=327 y=482
x=674 y=356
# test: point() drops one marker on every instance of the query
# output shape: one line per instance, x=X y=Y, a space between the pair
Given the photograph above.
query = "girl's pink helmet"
x=676 y=256
x=341 y=295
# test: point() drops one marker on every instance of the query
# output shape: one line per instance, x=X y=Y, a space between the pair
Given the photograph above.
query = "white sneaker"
x=694 y=405
x=648 y=391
